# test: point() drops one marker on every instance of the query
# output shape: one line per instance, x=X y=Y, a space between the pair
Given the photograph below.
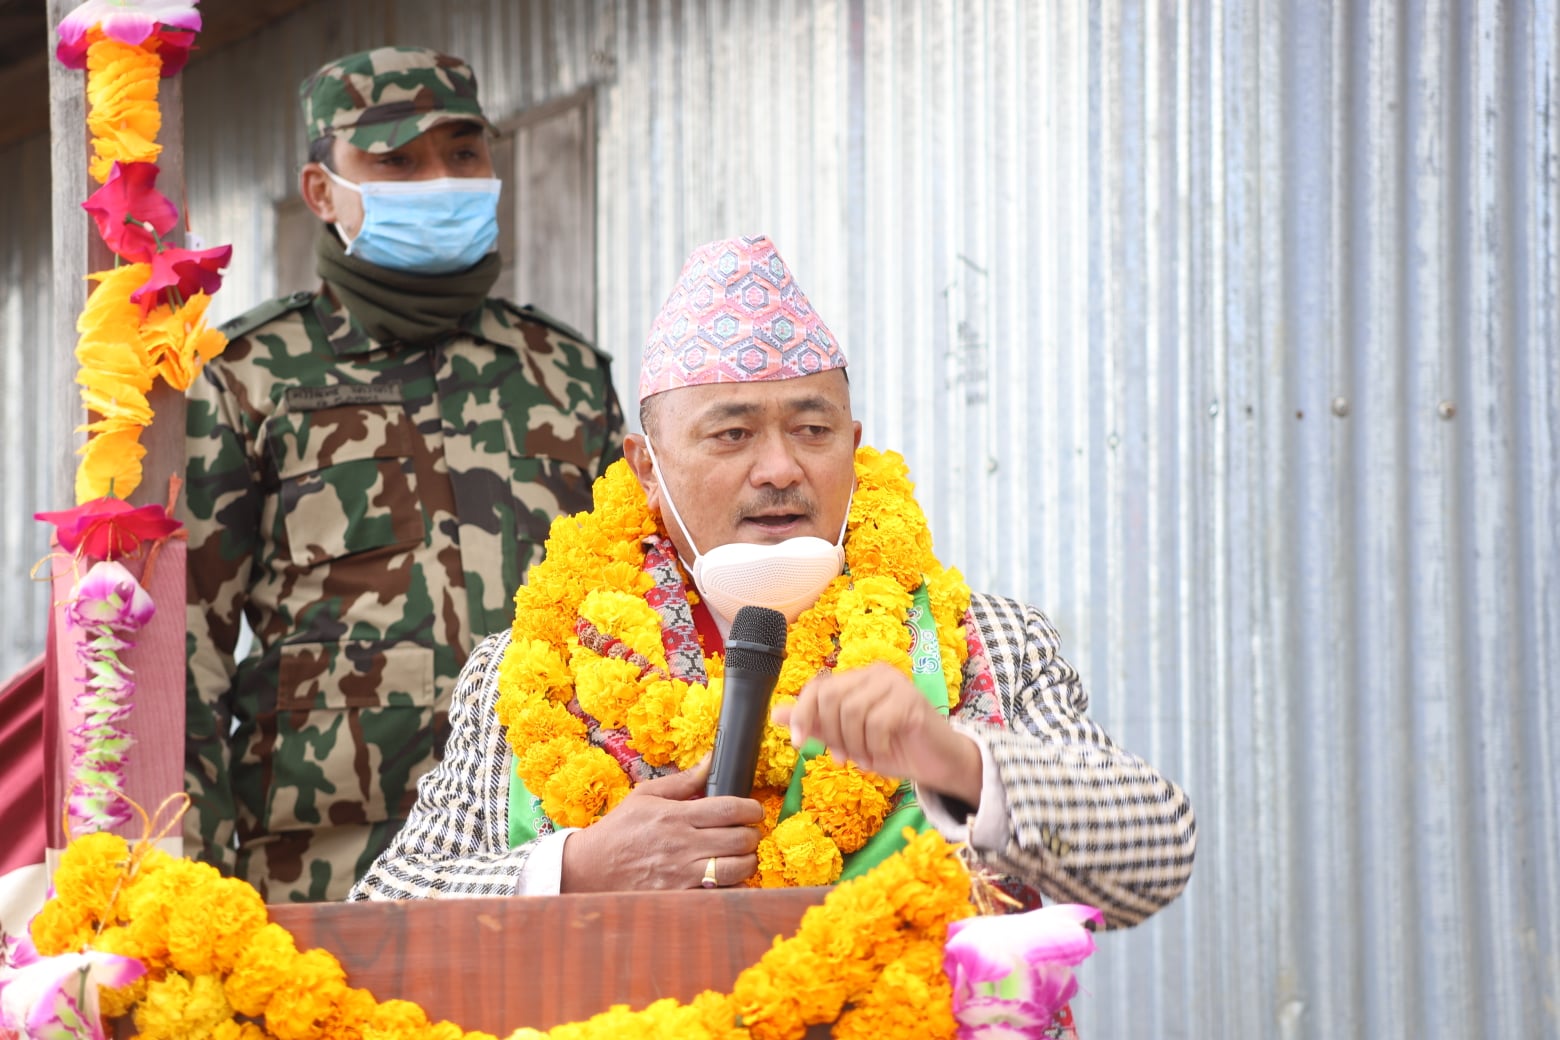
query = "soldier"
x=373 y=466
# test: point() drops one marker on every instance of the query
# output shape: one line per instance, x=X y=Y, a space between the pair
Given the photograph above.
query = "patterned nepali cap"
x=378 y=100
x=735 y=316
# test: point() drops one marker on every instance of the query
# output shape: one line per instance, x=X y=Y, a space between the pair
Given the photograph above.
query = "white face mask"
x=788 y=576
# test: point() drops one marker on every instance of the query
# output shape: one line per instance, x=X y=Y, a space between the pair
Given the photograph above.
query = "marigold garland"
x=869 y=957
x=593 y=572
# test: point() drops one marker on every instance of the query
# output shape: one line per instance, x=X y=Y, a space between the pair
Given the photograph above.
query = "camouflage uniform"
x=370 y=507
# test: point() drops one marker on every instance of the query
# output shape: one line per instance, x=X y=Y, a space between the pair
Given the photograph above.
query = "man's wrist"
x=961 y=771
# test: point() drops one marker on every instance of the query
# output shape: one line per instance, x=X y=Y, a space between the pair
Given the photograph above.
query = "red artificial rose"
x=174 y=46
x=109 y=528
x=187 y=271
x=127 y=202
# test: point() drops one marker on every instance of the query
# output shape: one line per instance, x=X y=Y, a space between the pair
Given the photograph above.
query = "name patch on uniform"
x=315 y=398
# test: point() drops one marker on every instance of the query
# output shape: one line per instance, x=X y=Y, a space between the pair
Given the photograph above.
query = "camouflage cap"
x=380 y=99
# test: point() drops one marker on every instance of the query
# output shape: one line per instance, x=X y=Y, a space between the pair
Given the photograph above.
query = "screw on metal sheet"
x=1213 y=409
x=1340 y=406
x=1112 y=441
x=1446 y=409
x=991 y=464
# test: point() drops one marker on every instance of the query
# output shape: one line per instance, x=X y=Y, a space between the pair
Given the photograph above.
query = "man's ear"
x=857 y=425
x=315 y=187
x=638 y=457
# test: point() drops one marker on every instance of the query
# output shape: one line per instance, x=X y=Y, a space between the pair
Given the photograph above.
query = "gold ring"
x=709 y=874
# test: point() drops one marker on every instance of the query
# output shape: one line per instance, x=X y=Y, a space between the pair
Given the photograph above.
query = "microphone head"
x=757 y=640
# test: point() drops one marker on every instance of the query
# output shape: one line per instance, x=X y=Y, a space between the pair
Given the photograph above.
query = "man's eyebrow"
x=743 y=410
x=466 y=129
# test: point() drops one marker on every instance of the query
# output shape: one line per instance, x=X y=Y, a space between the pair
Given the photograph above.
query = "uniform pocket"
x=347 y=481
x=354 y=731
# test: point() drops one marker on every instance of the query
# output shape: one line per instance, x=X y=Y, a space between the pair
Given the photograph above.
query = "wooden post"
x=157 y=721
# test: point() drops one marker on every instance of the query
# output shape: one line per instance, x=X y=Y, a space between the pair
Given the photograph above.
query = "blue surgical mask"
x=425 y=227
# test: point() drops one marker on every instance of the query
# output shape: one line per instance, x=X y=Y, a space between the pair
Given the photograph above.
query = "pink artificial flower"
x=186 y=271
x=109 y=595
x=109 y=528
x=1012 y=973
x=56 y=998
x=124 y=206
x=131 y=21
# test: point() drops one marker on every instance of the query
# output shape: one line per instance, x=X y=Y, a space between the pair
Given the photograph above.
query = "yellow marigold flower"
x=859 y=653
x=912 y=997
x=606 y=687
x=876 y=594
x=231 y=1030
x=92 y=872
x=117 y=1002
x=445 y=1031
x=810 y=857
x=176 y=1007
x=767 y=1004
x=693 y=727
x=306 y=997
x=260 y=969
x=650 y=717
x=776 y=756
x=717 y=1013
x=532 y=668
x=539 y=720
x=394 y=1020
x=540 y=761
x=847 y=806
x=210 y=927
x=941 y=889
x=626 y=617
x=61 y=927
x=151 y=898
x=350 y=1016
x=586 y=786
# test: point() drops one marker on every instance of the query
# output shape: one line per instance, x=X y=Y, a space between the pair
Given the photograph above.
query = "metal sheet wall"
x=1227 y=333
x=27 y=476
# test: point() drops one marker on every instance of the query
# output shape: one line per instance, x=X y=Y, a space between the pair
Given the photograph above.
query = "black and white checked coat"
x=1087 y=821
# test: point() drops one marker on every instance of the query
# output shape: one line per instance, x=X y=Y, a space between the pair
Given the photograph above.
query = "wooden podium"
x=539 y=961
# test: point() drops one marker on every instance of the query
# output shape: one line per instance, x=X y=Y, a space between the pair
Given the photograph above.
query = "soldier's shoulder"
x=526 y=312
x=264 y=314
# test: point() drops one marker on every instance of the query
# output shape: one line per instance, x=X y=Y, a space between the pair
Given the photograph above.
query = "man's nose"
x=776 y=465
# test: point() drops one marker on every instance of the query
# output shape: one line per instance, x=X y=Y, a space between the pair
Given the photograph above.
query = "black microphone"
x=754 y=651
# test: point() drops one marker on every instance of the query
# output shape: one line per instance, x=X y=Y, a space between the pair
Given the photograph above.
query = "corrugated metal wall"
x=27 y=362
x=1225 y=333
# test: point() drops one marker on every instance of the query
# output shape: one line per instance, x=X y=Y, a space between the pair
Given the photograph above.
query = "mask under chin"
x=788 y=576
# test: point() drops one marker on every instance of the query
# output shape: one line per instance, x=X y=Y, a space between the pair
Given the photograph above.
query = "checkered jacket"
x=1088 y=822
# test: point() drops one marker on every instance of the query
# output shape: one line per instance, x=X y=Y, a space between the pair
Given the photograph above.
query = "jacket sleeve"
x=456 y=842
x=221 y=510
x=1088 y=822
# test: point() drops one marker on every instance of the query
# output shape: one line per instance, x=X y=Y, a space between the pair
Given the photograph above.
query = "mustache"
x=778 y=500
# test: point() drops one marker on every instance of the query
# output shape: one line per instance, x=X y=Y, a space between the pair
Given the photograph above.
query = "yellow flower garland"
x=869 y=959
x=593 y=569
x=122 y=348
